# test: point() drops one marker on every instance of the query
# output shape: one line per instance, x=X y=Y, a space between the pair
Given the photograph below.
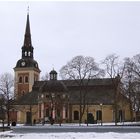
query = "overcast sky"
x=62 y=30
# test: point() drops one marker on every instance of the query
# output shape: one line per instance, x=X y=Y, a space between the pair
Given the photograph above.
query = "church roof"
x=53 y=72
x=27 y=39
x=91 y=82
x=30 y=98
x=28 y=63
x=73 y=83
x=53 y=86
x=99 y=91
x=95 y=95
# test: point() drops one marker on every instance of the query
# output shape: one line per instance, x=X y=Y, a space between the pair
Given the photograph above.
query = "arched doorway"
x=90 y=118
x=28 y=118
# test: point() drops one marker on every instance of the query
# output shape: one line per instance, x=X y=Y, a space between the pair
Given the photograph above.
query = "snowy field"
x=68 y=135
x=109 y=135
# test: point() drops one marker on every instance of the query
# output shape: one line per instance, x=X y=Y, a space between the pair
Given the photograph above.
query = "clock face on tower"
x=23 y=63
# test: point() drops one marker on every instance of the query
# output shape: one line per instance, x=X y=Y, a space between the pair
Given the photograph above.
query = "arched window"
x=20 y=79
x=47 y=112
x=23 y=92
x=26 y=79
x=76 y=115
x=58 y=112
x=25 y=53
x=98 y=115
x=47 y=96
x=29 y=53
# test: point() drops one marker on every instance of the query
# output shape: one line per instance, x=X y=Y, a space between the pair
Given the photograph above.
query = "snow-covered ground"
x=69 y=135
x=109 y=135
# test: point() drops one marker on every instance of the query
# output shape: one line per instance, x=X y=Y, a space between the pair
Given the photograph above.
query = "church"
x=39 y=101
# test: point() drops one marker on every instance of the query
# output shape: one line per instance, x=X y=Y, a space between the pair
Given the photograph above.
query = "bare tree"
x=6 y=88
x=136 y=71
x=132 y=81
x=114 y=69
x=2 y=110
x=81 y=69
x=128 y=80
x=135 y=61
x=45 y=77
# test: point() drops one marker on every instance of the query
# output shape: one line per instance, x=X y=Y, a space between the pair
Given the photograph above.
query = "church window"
x=39 y=110
x=26 y=79
x=47 y=112
x=76 y=115
x=58 y=112
x=58 y=96
x=51 y=77
x=121 y=115
x=20 y=79
x=98 y=115
x=53 y=95
x=47 y=96
x=55 y=77
x=23 y=92
x=64 y=95
x=25 y=53
x=66 y=112
x=29 y=53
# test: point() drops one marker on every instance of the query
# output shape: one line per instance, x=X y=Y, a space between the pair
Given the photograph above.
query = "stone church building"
x=39 y=101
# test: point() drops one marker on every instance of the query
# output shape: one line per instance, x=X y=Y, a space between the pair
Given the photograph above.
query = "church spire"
x=27 y=49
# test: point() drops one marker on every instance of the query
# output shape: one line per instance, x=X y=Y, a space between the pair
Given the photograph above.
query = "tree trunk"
x=8 y=114
x=31 y=114
x=116 y=114
x=131 y=111
x=80 y=106
x=3 y=126
x=116 y=103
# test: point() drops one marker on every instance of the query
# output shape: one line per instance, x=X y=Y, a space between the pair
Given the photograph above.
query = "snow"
x=70 y=135
x=109 y=135
x=77 y=125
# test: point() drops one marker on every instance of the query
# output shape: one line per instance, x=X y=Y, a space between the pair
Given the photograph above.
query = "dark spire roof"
x=27 y=39
x=53 y=71
x=27 y=49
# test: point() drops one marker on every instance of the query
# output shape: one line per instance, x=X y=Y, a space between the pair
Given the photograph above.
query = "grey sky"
x=62 y=30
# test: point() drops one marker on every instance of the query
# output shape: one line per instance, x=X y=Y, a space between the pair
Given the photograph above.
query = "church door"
x=28 y=118
x=90 y=118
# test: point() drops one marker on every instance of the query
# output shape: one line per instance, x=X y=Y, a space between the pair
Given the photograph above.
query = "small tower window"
x=51 y=77
x=25 y=53
x=20 y=79
x=26 y=79
x=29 y=53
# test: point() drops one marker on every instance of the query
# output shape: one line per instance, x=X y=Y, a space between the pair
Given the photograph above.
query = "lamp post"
x=101 y=105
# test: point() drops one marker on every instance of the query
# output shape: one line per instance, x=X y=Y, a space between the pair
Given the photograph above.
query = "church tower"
x=27 y=70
